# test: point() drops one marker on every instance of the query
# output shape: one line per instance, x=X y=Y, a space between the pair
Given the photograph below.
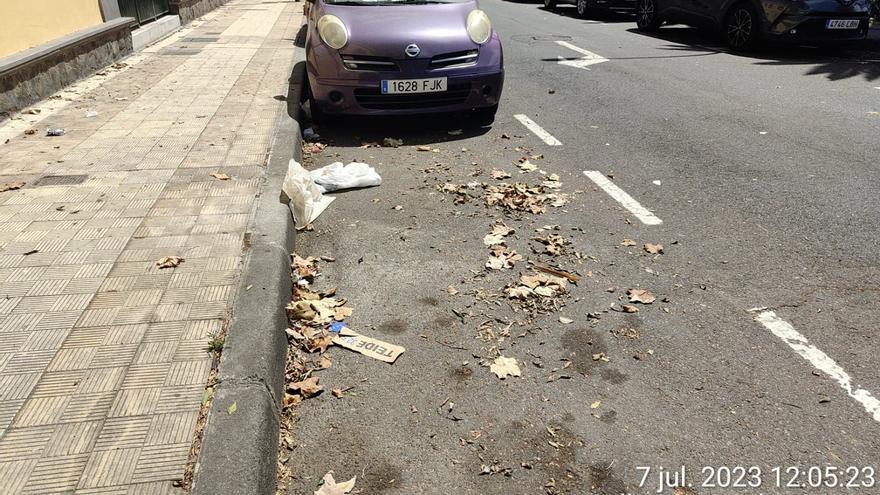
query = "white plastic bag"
x=336 y=176
x=306 y=200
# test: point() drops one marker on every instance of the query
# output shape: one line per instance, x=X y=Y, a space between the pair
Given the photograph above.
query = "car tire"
x=647 y=16
x=742 y=28
x=484 y=117
x=315 y=111
x=582 y=8
x=549 y=4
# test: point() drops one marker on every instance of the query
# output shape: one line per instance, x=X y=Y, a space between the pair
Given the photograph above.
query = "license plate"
x=842 y=24
x=433 y=85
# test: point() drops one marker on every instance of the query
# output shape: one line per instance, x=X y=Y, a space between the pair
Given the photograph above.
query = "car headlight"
x=332 y=31
x=479 y=27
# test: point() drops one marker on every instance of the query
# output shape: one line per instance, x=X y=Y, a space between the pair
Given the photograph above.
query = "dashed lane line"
x=619 y=195
x=819 y=360
x=538 y=130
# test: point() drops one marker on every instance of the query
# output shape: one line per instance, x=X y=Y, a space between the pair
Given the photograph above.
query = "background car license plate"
x=842 y=24
x=433 y=85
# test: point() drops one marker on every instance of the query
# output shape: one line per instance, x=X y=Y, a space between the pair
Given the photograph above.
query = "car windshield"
x=390 y=2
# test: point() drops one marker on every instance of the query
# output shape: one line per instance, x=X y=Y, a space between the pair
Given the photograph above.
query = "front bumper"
x=364 y=97
x=338 y=90
x=811 y=28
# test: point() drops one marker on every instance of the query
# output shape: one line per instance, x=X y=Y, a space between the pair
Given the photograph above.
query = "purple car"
x=397 y=57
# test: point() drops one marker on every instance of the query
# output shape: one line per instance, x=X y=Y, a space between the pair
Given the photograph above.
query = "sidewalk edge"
x=239 y=450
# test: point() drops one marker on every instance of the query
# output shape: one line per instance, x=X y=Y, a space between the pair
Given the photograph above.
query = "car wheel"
x=647 y=17
x=582 y=8
x=741 y=27
x=315 y=111
x=484 y=117
x=549 y=4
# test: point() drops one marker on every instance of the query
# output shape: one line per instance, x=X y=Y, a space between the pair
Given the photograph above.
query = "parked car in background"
x=745 y=23
x=585 y=6
x=396 y=57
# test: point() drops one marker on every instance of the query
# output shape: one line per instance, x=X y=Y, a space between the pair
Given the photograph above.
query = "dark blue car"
x=745 y=23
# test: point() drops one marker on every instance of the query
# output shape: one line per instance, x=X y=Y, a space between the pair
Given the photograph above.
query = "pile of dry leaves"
x=512 y=197
x=310 y=313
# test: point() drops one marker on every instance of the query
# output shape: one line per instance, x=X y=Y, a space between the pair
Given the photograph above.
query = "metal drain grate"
x=60 y=180
x=202 y=40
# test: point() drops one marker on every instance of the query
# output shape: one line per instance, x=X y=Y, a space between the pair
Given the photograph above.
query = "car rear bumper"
x=812 y=28
x=364 y=97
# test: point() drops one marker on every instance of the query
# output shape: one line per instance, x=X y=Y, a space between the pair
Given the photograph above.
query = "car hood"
x=386 y=30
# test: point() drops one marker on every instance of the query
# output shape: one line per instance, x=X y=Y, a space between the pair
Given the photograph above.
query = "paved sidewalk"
x=103 y=356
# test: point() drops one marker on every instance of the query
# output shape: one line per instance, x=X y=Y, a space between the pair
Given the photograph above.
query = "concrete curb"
x=239 y=450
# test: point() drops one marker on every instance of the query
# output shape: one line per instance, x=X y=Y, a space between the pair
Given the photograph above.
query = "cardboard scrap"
x=368 y=346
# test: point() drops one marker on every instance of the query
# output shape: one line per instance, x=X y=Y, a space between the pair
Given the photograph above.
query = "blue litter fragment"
x=337 y=326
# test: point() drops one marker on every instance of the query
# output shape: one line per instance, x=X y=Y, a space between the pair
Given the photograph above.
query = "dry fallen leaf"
x=301 y=310
x=423 y=148
x=308 y=387
x=500 y=258
x=628 y=242
x=504 y=367
x=320 y=343
x=527 y=166
x=452 y=291
x=643 y=296
x=595 y=405
x=500 y=228
x=331 y=487
x=565 y=321
x=324 y=362
x=220 y=176
x=328 y=259
x=342 y=313
x=653 y=248
x=11 y=186
x=169 y=262
x=493 y=239
x=499 y=174
x=600 y=356
x=520 y=292
x=290 y=400
x=628 y=308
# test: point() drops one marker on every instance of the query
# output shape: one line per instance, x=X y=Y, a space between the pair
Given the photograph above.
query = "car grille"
x=455 y=59
x=364 y=62
x=373 y=98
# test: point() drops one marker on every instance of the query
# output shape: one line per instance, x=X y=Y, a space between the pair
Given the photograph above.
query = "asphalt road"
x=764 y=172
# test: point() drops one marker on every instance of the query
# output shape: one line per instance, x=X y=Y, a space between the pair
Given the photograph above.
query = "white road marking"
x=819 y=359
x=589 y=58
x=538 y=130
x=619 y=195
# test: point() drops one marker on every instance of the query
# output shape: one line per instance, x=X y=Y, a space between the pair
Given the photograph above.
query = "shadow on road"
x=353 y=132
x=835 y=62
